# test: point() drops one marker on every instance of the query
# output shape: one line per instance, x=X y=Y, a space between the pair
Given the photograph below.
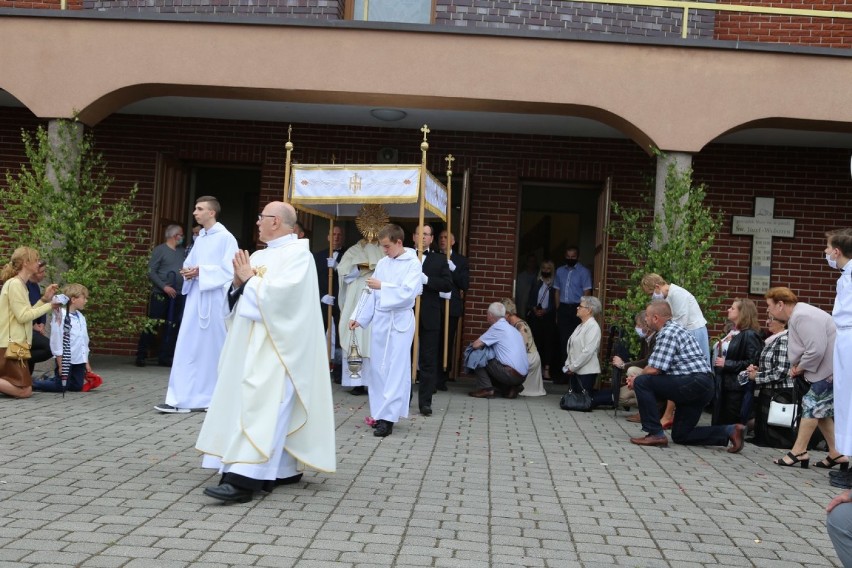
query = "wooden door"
x=171 y=197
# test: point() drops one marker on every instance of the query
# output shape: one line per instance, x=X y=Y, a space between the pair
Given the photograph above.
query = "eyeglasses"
x=261 y=216
x=42 y=263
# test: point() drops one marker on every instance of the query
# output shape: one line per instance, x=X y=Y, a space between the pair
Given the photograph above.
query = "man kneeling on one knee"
x=678 y=371
x=504 y=373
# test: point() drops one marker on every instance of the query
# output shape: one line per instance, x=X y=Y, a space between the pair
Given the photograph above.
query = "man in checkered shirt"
x=678 y=371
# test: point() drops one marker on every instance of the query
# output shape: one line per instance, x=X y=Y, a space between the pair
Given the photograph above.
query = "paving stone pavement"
x=102 y=480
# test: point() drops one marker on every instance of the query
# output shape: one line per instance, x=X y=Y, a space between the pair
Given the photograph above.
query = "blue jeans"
x=76 y=380
x=691 y=393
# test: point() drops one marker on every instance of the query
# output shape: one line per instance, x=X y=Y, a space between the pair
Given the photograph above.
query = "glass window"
x=405 y=11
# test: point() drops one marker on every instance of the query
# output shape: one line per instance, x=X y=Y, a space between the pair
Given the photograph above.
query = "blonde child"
x=78 y=296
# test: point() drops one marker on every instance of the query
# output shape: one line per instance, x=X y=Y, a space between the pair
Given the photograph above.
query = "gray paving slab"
x=102 y=480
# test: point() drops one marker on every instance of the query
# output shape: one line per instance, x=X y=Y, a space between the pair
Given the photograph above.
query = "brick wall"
x=555 y=15
x=41 y=4
x=309 y=9
x=810 y=185
x=820 y=32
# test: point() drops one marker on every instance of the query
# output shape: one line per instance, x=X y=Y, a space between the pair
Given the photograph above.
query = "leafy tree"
x=675 y=245
x=59 y=204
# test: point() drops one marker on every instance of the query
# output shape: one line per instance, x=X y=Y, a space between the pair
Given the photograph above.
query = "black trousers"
x=40 y=350
x=428 y=354
x=170 y=310
x=451 y=350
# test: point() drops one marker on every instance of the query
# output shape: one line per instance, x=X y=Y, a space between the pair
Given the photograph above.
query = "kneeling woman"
x=582 y=363
x=16 y=319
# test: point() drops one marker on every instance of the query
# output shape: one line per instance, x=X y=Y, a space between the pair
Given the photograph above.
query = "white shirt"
x=79 y=337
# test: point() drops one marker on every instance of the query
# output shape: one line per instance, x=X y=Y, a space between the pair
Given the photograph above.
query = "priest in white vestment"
x=272 y=413
x=355 y=268
x=389 y=307
x=207 y=273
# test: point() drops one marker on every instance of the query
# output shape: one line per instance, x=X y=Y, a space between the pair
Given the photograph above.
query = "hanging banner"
x=338 y=191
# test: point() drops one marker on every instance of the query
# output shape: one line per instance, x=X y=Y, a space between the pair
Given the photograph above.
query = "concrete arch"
x=114 y=101
x=674 y=97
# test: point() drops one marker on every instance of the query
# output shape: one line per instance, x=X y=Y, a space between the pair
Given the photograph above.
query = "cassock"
x=390 y=310
x=361 y=258
x=272 y=406
x=842 y=315
x=202 y=331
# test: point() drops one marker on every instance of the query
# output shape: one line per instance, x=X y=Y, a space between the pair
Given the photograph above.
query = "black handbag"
x=576 y=399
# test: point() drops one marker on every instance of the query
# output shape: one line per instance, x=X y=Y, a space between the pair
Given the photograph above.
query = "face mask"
x=831 y=262
x=546 y=274
x=658 y=296
x=572 y=262
x=194 y=237
x=640 y=332
x=180 y=241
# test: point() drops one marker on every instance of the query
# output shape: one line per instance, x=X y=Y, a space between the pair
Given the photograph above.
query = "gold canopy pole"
x=289 y=147
x=449 y=159
x=424 y=147
x=330 y=307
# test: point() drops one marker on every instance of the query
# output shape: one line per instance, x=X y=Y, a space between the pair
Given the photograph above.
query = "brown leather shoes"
x=512 y=392
x=649 y=440
x=737 y=439
x=482 y=393
x=634 y=418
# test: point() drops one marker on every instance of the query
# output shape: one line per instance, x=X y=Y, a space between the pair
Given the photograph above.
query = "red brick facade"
x=810 y=185
x=818 y=32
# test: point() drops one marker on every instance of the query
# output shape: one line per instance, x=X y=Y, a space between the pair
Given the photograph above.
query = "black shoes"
x=288 y=480
x=442 y=388
x=383 y=428
x=358 y=391
x=426 y=410
x=229 y=493
x=140 y=362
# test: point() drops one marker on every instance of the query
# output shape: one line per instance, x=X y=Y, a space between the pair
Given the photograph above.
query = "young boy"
x=78 y=296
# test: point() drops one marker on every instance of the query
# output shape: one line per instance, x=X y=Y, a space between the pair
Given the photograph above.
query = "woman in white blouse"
x=582 y=362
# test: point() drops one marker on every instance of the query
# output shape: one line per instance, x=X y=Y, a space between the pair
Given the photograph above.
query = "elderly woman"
x=16 y=319
x=533 y=385
x=734 y=353
x=772 y=377
x=810 y=348
x=541 y=314
x=583 y=346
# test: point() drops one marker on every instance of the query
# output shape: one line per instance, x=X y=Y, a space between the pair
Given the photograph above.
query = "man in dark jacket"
x=460 y=275
x=436 y=279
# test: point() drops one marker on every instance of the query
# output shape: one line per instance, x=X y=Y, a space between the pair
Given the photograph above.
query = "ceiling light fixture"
x=388 y=114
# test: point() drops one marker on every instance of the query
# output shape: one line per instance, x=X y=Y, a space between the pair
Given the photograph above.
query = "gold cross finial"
x=333 y=159
x=289 y=132
x=425 y=130
x=449 y=159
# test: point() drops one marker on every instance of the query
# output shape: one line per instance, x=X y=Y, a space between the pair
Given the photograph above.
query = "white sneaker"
x=169 y=409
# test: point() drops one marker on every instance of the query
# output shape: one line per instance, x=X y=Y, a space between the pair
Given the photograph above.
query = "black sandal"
x=795 y=458
x=829 y=462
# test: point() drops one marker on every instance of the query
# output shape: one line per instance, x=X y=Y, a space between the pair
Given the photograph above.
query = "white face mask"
x=640 y=332
x=658 y=296
x=831 y=262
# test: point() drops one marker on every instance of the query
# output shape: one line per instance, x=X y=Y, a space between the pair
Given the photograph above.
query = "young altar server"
x=395 y=285
x=207 y=272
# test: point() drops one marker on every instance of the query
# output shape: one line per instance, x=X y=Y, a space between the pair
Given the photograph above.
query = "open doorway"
x=552 y=218
x=238 y=192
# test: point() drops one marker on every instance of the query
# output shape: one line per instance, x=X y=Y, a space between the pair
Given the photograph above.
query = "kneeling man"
x=678 y=371
x=507 y=370
x=271 y=411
